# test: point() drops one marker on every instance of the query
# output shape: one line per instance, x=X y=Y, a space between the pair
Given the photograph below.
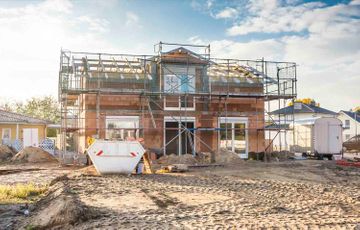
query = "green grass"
x=20 y=193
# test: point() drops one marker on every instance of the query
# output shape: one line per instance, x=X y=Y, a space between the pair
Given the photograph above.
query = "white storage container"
x=319 y=136
x=328 y=135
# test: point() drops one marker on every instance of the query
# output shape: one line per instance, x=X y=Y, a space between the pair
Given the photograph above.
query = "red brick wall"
x=206 y=114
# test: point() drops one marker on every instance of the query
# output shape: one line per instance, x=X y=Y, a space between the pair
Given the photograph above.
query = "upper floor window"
x=347 y=124
x=180 y=83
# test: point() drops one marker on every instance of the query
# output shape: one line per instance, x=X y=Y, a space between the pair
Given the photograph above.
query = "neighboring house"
x=300 y=112
x=17 y=127
x=351 y=123
x=179 y=102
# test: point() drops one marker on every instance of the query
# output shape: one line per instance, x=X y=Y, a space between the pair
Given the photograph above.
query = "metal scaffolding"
x=215 y=82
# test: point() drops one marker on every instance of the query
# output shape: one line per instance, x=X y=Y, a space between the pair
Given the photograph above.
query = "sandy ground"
x=37 y=173
x=306 y=194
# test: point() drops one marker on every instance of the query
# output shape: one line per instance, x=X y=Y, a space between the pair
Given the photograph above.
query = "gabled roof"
x=353 y=115
x=183 y=55
x=305 y=108
x=10 y=117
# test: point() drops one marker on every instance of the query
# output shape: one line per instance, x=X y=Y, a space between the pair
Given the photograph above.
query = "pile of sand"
x=175 y=159
x=59 y=209
x=204 y=157
x=33 y=155
x=6 y=153
x=224 y=156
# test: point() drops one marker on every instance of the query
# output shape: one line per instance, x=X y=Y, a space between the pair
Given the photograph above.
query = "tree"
x=46 y=108
x=308 y=101
x=357 y=109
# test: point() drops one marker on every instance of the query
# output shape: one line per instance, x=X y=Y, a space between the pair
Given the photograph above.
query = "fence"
x=46 y=144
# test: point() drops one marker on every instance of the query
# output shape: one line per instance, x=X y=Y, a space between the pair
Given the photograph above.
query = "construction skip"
x=115 y=156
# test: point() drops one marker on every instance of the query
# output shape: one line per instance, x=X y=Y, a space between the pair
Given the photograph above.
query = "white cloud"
x=329 y=76
x=269 y=49
x=227 y=13
x=56 y=5
x=30 y=43
x=355 y=2
x=95 y=24
x=132 y=20
x=328 y=53
x=273 y=18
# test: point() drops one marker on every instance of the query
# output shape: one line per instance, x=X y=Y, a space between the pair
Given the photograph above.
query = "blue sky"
x=321 y=36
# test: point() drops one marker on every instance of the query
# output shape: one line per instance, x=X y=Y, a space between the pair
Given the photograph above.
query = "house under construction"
x=180 y=100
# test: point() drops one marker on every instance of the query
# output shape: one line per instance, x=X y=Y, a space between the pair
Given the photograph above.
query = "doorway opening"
x=179 y=136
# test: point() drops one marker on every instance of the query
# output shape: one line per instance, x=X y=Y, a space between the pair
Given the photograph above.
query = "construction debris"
x=175 y=159
x=204 y=157
x=6 y=153
x=282 y=155
x=348 y=163
x=33 y=155
x=224 y=156
x=173 y=168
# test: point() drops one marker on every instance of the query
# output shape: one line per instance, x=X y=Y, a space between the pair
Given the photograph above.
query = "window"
x=347 y=124
x=6 y=134
x=179 y=102
x=347 y=136
x=122 y=127
x=180 y=83
x=226 y=136
x=233 y=135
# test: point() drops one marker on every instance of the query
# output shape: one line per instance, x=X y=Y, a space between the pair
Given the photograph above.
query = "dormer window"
x=181 y=83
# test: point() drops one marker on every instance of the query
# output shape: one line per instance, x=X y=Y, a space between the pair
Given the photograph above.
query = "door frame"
x=178 y=120
x=31 y=136
x=232 y=120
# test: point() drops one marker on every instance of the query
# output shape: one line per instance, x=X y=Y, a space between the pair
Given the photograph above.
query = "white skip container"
x=115 y=156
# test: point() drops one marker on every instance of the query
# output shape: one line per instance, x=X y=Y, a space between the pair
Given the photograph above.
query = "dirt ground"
x=306 y=194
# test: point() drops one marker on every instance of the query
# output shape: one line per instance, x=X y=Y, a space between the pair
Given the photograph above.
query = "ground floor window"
x=6 y=135
x=233 y=135
x=122 y=127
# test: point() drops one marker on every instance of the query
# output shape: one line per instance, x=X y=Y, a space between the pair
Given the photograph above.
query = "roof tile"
x=11 y=117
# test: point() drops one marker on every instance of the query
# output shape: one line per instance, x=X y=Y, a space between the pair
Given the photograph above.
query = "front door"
x=335 y=139
x=30 y=137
